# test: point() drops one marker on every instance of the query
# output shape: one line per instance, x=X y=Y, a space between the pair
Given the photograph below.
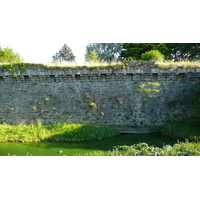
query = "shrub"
x=7 y=55
x=142 y=149
x=152 y=55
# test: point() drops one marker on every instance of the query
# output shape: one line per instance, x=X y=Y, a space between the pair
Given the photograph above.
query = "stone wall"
x=128 y=95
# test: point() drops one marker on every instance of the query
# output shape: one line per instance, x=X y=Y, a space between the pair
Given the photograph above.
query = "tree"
x=135 y=50
x=93 y=56
x=106 y=52
x=185 y=51
x=171 y=51
x=64 y=54
x=8 y=55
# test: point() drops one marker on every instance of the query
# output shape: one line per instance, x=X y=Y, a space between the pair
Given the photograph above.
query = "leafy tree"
x=171 y=51
x=135 y=50
x=93 y=56
x=107 y=52
x=185 y=51
x=64 y=54
x=7 y=55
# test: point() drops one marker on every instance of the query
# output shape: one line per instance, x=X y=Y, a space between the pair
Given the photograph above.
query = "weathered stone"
x=125 y=96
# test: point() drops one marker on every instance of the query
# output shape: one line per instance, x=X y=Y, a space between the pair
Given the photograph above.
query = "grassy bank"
x=182 y=130
x=53 y=132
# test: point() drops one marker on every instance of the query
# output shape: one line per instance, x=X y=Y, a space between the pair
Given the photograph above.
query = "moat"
x=81 y=147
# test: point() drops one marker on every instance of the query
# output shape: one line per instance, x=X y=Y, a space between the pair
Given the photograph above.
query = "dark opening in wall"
x=103 y=75
x=77 y=76
x=26 y=78
x=52 y=78
x=155 y=76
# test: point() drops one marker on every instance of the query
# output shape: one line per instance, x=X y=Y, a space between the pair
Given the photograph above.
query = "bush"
x=142 y=149
x=152 y=55
x=7 y=55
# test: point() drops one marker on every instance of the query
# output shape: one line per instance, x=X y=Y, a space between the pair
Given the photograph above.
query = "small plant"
x=12 y=109
x=47 y=99
x=150 y=89
x=35 y=108
x=93 y=105
x=152 y=55
x=119 y=99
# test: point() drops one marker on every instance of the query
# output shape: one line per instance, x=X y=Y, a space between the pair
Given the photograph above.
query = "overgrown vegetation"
x=15 y=68
x=53 y=132
x=171 y=51
x=182 y=130
x=179 y=149
x=182 y=64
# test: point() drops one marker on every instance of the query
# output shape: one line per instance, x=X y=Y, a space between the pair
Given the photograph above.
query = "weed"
x=93 y=105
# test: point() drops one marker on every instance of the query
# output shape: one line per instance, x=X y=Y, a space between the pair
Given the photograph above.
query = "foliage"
x=64 y=54
x=186 y=51
x=93 y=56
x=93 y=105
x=54 y=132
x=150 y=89
x=142 y=149
x=106 y=52
x=182 y=130
x=171 y=51
x=135 y=50
x=15 y=68
x=196 y=100
x=7 y=55
x=152 y=55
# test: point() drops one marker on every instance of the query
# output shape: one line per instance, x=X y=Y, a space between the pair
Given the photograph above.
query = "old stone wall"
x=139 y=94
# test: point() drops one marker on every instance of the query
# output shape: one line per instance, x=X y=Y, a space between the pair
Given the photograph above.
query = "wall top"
x=136 y=67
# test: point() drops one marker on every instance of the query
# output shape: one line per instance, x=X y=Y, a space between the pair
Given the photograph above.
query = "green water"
x=81 y=147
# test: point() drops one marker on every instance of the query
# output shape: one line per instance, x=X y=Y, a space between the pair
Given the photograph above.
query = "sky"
x=37 y=29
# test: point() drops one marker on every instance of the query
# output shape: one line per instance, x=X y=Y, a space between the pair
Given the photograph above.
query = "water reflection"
x=81 y=147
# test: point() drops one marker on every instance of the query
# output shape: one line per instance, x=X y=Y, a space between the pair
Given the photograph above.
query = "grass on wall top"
x=21 y=67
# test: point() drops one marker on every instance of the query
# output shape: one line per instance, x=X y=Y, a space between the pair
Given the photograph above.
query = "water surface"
x=81 y=147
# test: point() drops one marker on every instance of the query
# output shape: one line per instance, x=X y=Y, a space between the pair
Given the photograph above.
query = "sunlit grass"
x=181 y=64
x=85 y=64
x=53 y=132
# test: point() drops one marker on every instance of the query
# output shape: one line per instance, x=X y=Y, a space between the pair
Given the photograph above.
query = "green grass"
x=179 y=149
x=182 y=130
x=181 y=64
x=15 y=67
x=53 y=132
